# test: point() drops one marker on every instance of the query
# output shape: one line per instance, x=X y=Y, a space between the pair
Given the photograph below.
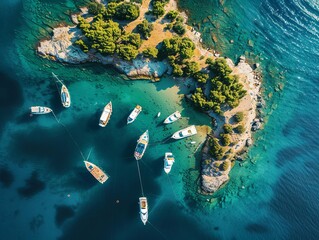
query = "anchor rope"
x=140 y=178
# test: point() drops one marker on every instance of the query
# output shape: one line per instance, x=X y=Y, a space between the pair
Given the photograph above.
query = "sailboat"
x=65 y=94
x=143 y=209
x=186 y=132
x=96 y=172
x=133 y=115
x=141 y=146
x=168 y=162
x=173 y=117
x=40 y=110
x=106 y=114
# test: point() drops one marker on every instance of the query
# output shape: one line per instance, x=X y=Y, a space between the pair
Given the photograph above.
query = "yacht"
x=143 y=209
x=134 y=114
x=40 y=110
x=168 y=161
x=106 y=114
x=96 y=172
x=186 y=132
x=141 y=146
x=173 y=117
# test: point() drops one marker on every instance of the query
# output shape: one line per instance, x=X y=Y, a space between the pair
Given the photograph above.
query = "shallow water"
x=273 y=195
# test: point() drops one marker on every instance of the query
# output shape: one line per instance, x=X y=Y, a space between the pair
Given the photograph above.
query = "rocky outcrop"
x=212 y=184
x=61 y=48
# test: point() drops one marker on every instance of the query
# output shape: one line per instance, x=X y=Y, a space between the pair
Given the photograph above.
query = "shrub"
x=150 y=52
x=226 y=164
x=127 y=11
x=96 y=8
x=201 y=77
x=225 y=139
x=177 y=70
x=158 y=9
x=190 y=68
x=228 y=128
x=179 y=19
x=171 y=15
x=127 y=52
x=82 y=45
x=240 y=129
x=215 y=149
x=179 y=28
x=239 y=116
x=145 y=28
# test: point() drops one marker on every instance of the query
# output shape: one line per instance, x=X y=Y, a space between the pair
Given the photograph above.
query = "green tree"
x=96 y=8
x=171 y=15
x=240 y=129
x=82 y=45
x=190 y=68
x=177 y=70
x=225 y=139
x=127 y=52
x=127 y=11
x=226 y=165
x=179 y=28
x=228 y=128
x=158 y=9
x=239 y=116
x=215 y=149
x=150 y=52
x=145 y=28
x=201 y=77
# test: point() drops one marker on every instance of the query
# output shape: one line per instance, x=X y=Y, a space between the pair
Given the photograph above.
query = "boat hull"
x=133 y=115
x=173 y=117
x=106 y=115
x=168 y=162
x=186 y=132
x=96 y=172
x=141 y=146
x=65 y=97
x=143 y=209
x=38 y=110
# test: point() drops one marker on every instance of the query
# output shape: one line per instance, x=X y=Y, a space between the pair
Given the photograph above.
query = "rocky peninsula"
x=157 y=41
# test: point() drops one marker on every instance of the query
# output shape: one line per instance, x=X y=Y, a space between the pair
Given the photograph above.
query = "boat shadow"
x=93 y=121
x=122 y=122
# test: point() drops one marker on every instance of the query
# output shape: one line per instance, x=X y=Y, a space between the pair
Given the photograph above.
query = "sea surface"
x=45 y=190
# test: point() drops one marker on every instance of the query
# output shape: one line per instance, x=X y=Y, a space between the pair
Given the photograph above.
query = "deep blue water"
x=274 y=195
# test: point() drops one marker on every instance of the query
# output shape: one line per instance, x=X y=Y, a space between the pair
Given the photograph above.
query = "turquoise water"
x=273 y=195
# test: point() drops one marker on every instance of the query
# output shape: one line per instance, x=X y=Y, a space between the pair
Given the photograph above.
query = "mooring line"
x=160 y=232
x=71 y=136
x=139 y=175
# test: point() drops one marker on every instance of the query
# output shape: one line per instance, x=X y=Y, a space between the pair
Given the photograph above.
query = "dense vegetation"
x=171 y=15
x=145 y=29
x=150 y=52
x=215 y=149
x=158 y=7
x=107 y=38
x=228 y=128
x=225 y=89
x=115 y=10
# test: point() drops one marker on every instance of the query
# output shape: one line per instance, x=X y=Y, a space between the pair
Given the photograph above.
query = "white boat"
x=168 y=161
x=65 y=94
x=96 y=172
x=106 y=114
x=134 y=114
x=141 y=146
x=159 y=114
x=186 y=132
x=143 y=209
x=65 y=97
x=40 y=110
x=173 y=117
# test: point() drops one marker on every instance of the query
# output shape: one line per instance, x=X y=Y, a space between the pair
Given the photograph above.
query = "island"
x=145 y=39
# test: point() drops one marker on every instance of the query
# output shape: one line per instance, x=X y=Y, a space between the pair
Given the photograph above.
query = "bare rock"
x=212 y=184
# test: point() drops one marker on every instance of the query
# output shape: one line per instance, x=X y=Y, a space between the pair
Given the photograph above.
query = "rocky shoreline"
x=61 y=48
